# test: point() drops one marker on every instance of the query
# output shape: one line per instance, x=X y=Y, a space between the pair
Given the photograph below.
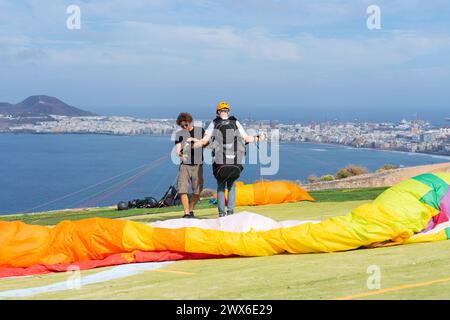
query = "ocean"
x=49 y=172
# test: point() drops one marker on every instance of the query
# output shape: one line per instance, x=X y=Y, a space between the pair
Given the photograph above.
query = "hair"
x=184 y=116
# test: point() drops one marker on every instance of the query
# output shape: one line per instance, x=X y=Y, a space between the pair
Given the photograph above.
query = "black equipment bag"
x=151 y=202
x=228 y=151
x=148 y=202
x=171 y=198
x=227 y=172
x=122 y=205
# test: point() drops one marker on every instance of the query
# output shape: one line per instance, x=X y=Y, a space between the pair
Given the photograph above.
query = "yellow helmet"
x=223 y=105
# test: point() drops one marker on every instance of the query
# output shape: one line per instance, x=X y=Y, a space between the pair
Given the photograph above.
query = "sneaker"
x=229 y=213
x=189 y=215
x=222 y=214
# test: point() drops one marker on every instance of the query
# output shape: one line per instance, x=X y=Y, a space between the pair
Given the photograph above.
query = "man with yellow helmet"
x=229 y=138
x=222 y=106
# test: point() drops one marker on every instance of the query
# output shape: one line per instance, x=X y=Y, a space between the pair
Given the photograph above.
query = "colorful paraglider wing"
x=415 y=210
x=268 y=192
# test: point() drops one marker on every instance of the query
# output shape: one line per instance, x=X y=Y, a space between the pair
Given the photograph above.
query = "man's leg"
x=221 y=198
x=197 y=185
x=194 y=200
x=185 y=203
x=183 y=187
x=231 y=186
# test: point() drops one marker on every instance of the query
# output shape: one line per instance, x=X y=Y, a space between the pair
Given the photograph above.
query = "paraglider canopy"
x=269 y=192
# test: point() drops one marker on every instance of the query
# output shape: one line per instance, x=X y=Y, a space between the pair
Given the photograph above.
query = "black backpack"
x=228 y=150
x=148 y=202
x=170 y=198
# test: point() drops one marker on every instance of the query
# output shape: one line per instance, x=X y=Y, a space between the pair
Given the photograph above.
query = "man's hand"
x=262 y=137
x=197 y=144
x=183 y=157
x=192 y=140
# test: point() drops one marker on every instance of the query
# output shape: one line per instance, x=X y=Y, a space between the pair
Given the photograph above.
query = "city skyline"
x=305 y=117
x=410 y=136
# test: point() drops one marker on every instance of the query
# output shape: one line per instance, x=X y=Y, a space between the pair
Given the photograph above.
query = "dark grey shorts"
x=190 y=175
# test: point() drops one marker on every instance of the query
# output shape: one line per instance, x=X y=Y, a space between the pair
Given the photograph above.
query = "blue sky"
x=279 y=59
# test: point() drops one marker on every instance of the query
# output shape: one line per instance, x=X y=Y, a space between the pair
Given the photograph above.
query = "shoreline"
x=431 y=154
x=440 y=155
x=379 y=179
x=407 y=160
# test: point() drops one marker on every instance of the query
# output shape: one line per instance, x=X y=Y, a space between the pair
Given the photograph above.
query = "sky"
x=270 y=59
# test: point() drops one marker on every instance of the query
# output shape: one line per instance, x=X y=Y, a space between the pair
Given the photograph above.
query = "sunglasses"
x=184 y=125
x=224 y=110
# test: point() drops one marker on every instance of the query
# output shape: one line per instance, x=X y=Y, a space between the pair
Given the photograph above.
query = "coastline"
x=69 y=163
x=437 y=155
x=378 y=179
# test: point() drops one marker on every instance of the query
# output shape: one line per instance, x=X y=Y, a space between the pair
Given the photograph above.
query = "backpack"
x=148 y=202
x=170 y=198
x=228 y=150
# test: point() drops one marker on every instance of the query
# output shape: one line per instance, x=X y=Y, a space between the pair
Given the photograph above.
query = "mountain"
x=5 y=105
x=42 y=105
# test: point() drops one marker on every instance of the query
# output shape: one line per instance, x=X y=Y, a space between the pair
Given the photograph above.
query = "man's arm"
x=178 y=148
x=251 y=139
x=203 y=142
x=247 y=138
x=206 y=137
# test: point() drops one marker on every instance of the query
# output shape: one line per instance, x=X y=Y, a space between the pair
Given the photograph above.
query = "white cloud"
x=387 y=50
x=256 y=47
x=135 y=42
x=225 y=41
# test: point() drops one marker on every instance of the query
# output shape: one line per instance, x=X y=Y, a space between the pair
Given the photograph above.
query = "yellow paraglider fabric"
x=415 y=210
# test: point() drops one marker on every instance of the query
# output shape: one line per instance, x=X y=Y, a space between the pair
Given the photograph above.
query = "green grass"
x=52 y=218
x=339 y=195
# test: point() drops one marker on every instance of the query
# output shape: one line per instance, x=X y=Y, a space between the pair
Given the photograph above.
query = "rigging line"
x=162 y=180
x=106 y=195
x=123 y=184
x=81 y=190
x=76 y=203
x=157 y=186
x=260 y=169
x=113 y=189
x=259 y=176
x=73 y=205
x=122 y=174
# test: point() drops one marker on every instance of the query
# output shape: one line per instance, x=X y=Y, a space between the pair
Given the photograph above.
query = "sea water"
x=48 y=172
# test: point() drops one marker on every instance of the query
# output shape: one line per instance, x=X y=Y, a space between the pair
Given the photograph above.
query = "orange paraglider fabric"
x=268 y=192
